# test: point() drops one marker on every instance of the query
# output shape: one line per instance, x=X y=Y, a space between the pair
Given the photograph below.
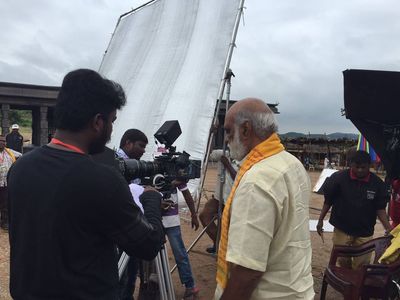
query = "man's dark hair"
x=360 y=157
x=133 y=135
x=83 y=94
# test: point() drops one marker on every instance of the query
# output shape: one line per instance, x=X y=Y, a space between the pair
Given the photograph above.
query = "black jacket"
x=67 y=214
x=15 y=141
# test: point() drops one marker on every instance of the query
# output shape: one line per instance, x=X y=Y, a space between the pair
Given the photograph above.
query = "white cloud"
x=295 y=53
x=287 y=52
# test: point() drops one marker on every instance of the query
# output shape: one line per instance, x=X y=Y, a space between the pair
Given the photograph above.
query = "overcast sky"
x=291 y=52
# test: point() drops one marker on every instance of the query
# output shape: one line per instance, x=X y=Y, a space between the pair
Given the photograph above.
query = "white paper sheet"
x=327 y=226
x=322 y=177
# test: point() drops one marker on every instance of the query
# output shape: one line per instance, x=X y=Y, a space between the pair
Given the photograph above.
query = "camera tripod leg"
x=168 y=279
x=165 y=281
x=162 y=268
x=122 y=264
x=161 y=278
x=196 y=240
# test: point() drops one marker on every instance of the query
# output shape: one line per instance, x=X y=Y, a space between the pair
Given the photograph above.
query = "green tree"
x=21 y=117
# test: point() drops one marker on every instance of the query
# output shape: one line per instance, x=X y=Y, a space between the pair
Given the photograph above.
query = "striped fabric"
x=364 y=145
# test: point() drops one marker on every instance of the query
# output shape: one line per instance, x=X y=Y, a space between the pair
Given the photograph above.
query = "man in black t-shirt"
x=357 y=197
x=68 y=213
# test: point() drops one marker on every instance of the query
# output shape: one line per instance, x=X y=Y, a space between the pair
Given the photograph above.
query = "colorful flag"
x=364 y=145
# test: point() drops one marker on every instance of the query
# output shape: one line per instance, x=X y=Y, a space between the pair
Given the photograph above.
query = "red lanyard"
x=68 y=146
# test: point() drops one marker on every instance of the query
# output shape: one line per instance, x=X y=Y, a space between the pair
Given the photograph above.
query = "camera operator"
x=132 y=146
x=68 y=213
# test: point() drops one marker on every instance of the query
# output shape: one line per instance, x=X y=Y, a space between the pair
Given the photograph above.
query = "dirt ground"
x=204 y=264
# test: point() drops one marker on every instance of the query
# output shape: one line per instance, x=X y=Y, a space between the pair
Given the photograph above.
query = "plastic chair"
x=369 y=281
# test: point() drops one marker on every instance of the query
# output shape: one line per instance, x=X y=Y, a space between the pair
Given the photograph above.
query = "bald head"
x=257 y=113
x=252 y=120
x=252 y=105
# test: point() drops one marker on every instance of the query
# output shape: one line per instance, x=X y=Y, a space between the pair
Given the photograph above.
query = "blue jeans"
x=181 y=257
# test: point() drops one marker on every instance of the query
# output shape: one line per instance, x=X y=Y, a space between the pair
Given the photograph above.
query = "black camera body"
x=162 y=171
x=169 y=166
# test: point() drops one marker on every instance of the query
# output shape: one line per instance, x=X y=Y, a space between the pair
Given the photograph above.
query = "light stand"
x=222 y=176
x=232 y=45
x=228 y=83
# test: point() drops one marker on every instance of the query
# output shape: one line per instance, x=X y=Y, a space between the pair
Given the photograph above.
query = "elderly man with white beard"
x=265 y=247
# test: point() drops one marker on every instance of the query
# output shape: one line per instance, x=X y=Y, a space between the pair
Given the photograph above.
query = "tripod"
x=165 y=285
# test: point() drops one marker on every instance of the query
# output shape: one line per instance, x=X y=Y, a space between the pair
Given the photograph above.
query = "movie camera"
x=168 y=166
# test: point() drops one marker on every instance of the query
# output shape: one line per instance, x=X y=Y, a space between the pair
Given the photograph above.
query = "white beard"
x=237 y=150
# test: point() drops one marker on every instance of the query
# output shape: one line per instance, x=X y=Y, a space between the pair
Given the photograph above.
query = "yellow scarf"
x=267 y=148
x=392 y=253
x=10 y=153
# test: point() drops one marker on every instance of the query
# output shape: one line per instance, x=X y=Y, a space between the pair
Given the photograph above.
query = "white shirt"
x=170 y=218
x=5 y=164
x=227 y=184
x=136 y=191
x=121 y=153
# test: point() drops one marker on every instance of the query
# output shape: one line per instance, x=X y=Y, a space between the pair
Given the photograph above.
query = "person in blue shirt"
x=132 y=146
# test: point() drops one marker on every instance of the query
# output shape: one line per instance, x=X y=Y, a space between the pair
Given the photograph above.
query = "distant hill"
x=292 y=135
x=340 y=135
x=331 y=136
